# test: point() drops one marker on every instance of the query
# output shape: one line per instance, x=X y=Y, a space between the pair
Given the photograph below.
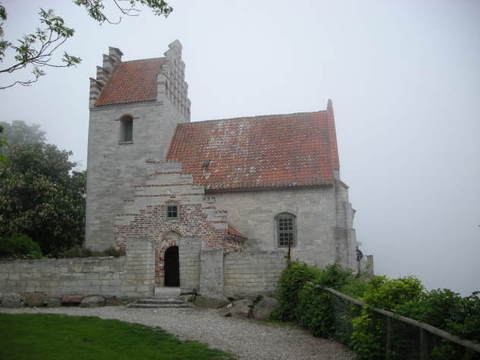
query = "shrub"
x=388 y=294
x=115 y=252
x=81 y=252
x=314 y=310
x=291 y=283
x=439 y=308
x=470 y=328
x=19 y=247
x=334 y=276
x=368 y=328
x=302 y=299
x=447 y=310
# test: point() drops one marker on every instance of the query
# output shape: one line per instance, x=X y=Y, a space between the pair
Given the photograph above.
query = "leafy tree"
x=3 y=143
x=41 y=196
x=38 y=49
x=18 y=132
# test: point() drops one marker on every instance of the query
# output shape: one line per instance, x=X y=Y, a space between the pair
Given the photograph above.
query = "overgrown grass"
x=59 y=337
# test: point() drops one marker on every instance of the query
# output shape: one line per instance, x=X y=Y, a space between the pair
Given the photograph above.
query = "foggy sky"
x=404 y=77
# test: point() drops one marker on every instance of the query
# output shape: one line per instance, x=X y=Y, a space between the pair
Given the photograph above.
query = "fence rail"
x=424 y=330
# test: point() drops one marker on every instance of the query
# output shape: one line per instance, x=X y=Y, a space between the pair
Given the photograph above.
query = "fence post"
x=423 y=344
x=468 y=354
x=388 y=346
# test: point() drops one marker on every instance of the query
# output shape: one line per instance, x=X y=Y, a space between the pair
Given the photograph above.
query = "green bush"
x=368 y=328
x=314 y=310
x=291 y=283
x=388 y=294
x=469 y=328
x=19 y=247
x=447 y=310
x=334 y=276
x=115 y=252
x=81 y=252
x=302 y=300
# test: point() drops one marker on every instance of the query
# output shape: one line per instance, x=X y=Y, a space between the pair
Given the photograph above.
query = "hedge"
x=303 y=301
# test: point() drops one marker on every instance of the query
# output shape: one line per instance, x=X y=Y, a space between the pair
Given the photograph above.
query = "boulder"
x=113 y=301
x=208 y=302
x=52 y=301
x=226 y=311
x=13 y=300
x=69 y=300
x=92 y=301
x=263 y=309
x=241 y=308
x=188 y=298
x=34 y=299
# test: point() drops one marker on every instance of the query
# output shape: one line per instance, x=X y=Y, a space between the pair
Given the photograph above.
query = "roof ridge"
x=154 y=58
x=255 y=117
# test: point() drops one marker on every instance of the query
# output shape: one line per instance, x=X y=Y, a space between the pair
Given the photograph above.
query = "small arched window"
x=126 y=129
x=286 y=230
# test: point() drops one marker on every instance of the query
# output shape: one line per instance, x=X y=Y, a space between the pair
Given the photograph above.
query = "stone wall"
x=124 y=276
x=252 y=273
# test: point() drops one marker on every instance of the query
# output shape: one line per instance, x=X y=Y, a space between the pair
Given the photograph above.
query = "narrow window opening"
x=126 y=129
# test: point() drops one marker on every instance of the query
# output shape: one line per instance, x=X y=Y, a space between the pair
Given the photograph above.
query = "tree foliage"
x=19 y=132
x=302 y=299
x=19 y=246
x=42 y=196
x=39 y=49
x=3 y=143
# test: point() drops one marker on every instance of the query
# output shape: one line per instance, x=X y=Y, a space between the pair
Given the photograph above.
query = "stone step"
x=160 y=301
x=159 y=306
x=166 y=301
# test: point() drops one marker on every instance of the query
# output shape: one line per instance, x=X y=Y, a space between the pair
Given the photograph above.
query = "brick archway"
x=168 y=239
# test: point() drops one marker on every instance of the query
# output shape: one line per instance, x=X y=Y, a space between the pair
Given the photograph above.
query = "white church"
x=214 y=207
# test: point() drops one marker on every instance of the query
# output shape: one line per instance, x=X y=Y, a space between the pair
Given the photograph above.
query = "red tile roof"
x=132 y=81
x=232 y=231
x=257 y=152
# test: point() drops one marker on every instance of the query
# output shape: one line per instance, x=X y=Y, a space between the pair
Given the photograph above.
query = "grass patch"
x=59 y=337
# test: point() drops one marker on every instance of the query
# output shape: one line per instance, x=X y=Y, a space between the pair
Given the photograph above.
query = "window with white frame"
x=286 y=230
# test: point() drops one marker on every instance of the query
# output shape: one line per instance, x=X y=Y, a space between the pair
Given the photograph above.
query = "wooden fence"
x=425 y=332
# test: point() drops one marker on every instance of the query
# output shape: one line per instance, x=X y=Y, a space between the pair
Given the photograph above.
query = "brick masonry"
x=200 y=224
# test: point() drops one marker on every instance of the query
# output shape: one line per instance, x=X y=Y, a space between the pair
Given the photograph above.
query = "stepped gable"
x=132 y=81
x=259 y=152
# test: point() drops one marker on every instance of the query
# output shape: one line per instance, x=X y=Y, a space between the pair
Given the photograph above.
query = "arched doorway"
x=172 y=267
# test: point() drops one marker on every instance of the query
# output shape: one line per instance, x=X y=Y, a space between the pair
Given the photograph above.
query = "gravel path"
x=250 y=340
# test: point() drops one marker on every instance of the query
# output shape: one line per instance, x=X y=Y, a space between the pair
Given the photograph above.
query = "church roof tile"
x=258 y=152
x=132 y=81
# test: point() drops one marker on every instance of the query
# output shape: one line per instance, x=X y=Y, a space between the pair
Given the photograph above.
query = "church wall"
x=344 y=232
x=252 y=273
x=253 y=214
x=114 y=167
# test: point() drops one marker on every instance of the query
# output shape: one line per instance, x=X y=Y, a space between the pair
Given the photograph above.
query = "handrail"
x=436 y=331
